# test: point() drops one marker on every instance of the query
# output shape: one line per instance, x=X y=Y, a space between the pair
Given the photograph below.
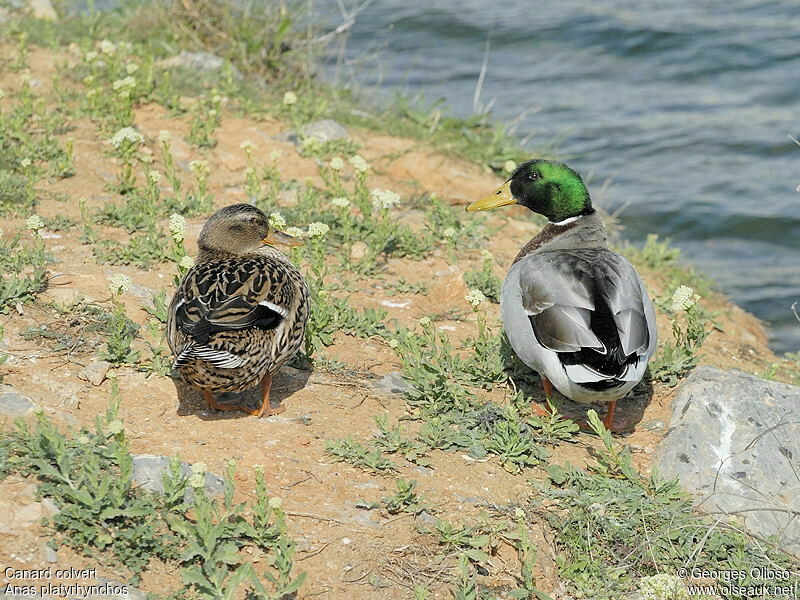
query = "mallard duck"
x=240 y=312
x=572 y=309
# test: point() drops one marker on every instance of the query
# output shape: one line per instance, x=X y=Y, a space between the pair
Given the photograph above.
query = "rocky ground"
x=349 y=552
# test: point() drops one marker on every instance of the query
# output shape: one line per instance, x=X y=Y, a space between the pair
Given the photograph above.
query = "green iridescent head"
x=546 y=187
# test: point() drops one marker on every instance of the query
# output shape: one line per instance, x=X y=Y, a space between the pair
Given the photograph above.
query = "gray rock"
x=734 y=441
x=49 y=508
x=325 y=130
x=148 y=470
x=427 y=518
x=95 y=373
x=196 y=61
x=14 y=404
x=393 y=383
x=47 y=553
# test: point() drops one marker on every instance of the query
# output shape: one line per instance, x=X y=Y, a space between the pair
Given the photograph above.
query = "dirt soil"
x=348 y=552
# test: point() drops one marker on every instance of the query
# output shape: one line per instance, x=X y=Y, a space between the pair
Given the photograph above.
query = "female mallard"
x=573 y=310
x=240 y=312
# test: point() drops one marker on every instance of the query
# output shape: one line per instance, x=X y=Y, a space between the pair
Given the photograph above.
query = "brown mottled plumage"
x=240 y=312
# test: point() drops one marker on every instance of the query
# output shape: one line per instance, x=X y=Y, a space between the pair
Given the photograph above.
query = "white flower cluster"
x=393 y=343
x=337 y=164
x=684 y=298
x=177 y=227
x=124 y=83
x=187 y=262
x=276 y=221
x=663 y=587
x=164 y=136
x=198 y=477
x=108 y=47
x=475 y=298
x=200 y=168
x=154 y=177
x=126 y=134
x=449 y=233
x=294 y=232
x=289 y=98
x=247 y=146
x=509 y=167
x=317 y=229
x=358 y=163
x=115 y=427
x=425 y=321
x=340 y=202
x=119 y=283
x=384 y=198
x=34 y=223
x=131 y=68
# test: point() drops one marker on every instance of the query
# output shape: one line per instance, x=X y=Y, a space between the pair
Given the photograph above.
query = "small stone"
x=325 y=130
x=27 y=494
x=148 y=470
x=95 y=373
x=29 y=513
x=427 y=518
x=358 y=250
x=196 y=61
x=654 y=425
x=393 y=383
x=13 y=404
x=48 y=554
x=49 y=507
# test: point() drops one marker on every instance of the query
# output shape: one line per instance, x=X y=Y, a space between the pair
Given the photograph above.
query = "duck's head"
x=545 y=187
x=240 y=229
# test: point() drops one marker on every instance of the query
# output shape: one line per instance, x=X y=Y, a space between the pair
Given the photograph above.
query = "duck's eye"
x=533 y=175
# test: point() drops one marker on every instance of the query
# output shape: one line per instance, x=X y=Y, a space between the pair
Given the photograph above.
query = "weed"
x=615 y=526
x=391 y=440
x=206 y=117
x=351 y=451
x=120 y=330
x=406 y=499
x=485 y=280
x=23 y=268
x=675 y=360
x=104 y=514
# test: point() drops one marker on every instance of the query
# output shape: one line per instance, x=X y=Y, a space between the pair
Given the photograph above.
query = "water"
x=685 y=106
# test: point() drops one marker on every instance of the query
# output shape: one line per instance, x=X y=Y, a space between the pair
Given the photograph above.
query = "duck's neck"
x=582 y=231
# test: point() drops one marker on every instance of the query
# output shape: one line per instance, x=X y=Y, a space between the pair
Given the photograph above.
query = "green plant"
x=23 y=267
x=485 y=280
x=406 y=499
x=355 y=453
x=106 y=515
x=678 y=358
x=120 y=330
x=615 y=526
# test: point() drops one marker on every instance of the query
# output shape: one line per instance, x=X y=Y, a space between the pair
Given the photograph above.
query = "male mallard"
x=573 y=310
x=240 y=312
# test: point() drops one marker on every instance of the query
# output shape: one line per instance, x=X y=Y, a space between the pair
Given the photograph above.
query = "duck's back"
x=581 y=317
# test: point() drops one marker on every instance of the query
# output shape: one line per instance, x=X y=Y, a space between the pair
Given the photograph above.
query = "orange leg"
x=541 y=411
x=548 y=387
x=608 y=422
x=265 y=409
x=214 y=405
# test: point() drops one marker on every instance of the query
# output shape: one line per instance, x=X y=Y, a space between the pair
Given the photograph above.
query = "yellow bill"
x=276 y=237
x=501 y=197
